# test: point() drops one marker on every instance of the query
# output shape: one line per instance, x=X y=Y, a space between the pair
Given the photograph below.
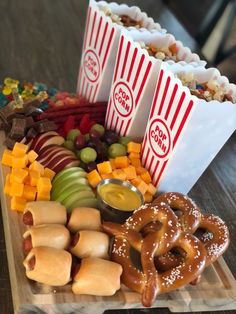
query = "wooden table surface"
x=41 y=41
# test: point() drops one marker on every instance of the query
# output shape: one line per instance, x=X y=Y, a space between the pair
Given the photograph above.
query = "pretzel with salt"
x=149 y=282
x=210 y=230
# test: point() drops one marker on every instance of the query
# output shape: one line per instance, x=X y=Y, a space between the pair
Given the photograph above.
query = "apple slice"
x=41 y=136
x=58 y=150
x=66 y=162
x=57 y=140
x=47 y=149
x=72 y=198
x=66 y=172
x=57 y=159
x=67 y=185
x=70 y=177
x=67 y=192
x=83 y=202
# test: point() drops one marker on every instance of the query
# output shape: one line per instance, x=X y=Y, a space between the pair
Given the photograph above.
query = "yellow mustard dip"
x=119 y=196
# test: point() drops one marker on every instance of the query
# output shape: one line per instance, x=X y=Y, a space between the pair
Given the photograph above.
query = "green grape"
x=116 y=150
x=71 y=135
x=124 y=140
x=69 y=145
x=88 y=154
x=98 y=128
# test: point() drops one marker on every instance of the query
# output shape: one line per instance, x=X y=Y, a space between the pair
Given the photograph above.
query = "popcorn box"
x=135 y=79
x=100 y=45
x=184 y=133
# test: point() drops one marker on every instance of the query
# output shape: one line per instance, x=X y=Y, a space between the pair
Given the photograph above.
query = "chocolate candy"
x=45 y=126
x=18 y=128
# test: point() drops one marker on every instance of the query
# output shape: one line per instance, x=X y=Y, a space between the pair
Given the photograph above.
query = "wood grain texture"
x=41 y=40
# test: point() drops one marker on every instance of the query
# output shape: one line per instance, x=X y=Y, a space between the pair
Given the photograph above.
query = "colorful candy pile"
x=28 y=109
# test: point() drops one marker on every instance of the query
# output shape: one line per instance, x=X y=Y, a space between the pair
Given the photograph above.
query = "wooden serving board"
x=216 y=291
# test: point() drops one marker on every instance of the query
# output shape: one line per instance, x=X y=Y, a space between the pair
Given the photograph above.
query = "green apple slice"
x=66 y=171
x=69 y=177
x=56 y=191
x=70 y=200
x=71 y=190
x=83 y=202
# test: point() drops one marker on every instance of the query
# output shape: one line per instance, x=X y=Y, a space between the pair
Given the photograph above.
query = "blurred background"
x=35 y=35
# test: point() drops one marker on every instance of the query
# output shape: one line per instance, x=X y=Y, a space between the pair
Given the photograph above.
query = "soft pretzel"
x=149 y=282
x=188 y=212
x=214 y=232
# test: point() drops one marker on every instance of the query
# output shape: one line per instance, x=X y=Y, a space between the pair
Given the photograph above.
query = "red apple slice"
x=66 y=164
x=40 y=136
x=54 y=153
x=55 y=160
x=56 y=139
x=47 y=149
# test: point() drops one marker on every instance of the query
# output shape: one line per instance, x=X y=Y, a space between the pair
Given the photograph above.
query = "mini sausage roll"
x=97 y=276
x=51 y=235
x=49 y=266
x=89 y=243
x=44 y=212
x=84 y=218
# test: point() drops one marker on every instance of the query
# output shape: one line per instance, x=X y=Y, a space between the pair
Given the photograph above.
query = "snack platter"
x=216 y=289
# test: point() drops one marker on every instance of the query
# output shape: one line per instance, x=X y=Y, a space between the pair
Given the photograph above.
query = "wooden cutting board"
x=216 y=290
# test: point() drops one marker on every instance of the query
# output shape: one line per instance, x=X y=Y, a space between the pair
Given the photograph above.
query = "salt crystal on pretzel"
x=149 y=282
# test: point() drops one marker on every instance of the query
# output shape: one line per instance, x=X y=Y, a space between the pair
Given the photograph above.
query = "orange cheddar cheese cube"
x=19 y=150
x=134 y=155
x=27 y=179
x=19 y=162
x=7 y=186
x=18 y=203
x=130 y=172
x=94 y=178
x=135 y=162
x=133 y=147
x=121 y=162
x=104 y=167
x=148 y=197
x=7 y=157
x=107 y=176
x=16 y=189
x=29 y=192
x=34 y=176
x=44 y=185
x=145 y=176
x=136 y=181
x=119 y=174
x=142 y=186
x=37 y=167
x=32 y=155
x=43 y=196
x=48 y=173
x=112 y=162
x=18 y=175
x=140 y=170
x=151 y=189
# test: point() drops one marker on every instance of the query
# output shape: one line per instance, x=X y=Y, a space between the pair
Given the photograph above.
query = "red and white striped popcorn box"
x=184 y=133
x=100 y=45
x=135 y=78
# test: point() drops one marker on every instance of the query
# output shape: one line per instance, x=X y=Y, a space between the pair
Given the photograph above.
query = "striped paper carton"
x=100 y=45
x=135 y=79
x=184 y=133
